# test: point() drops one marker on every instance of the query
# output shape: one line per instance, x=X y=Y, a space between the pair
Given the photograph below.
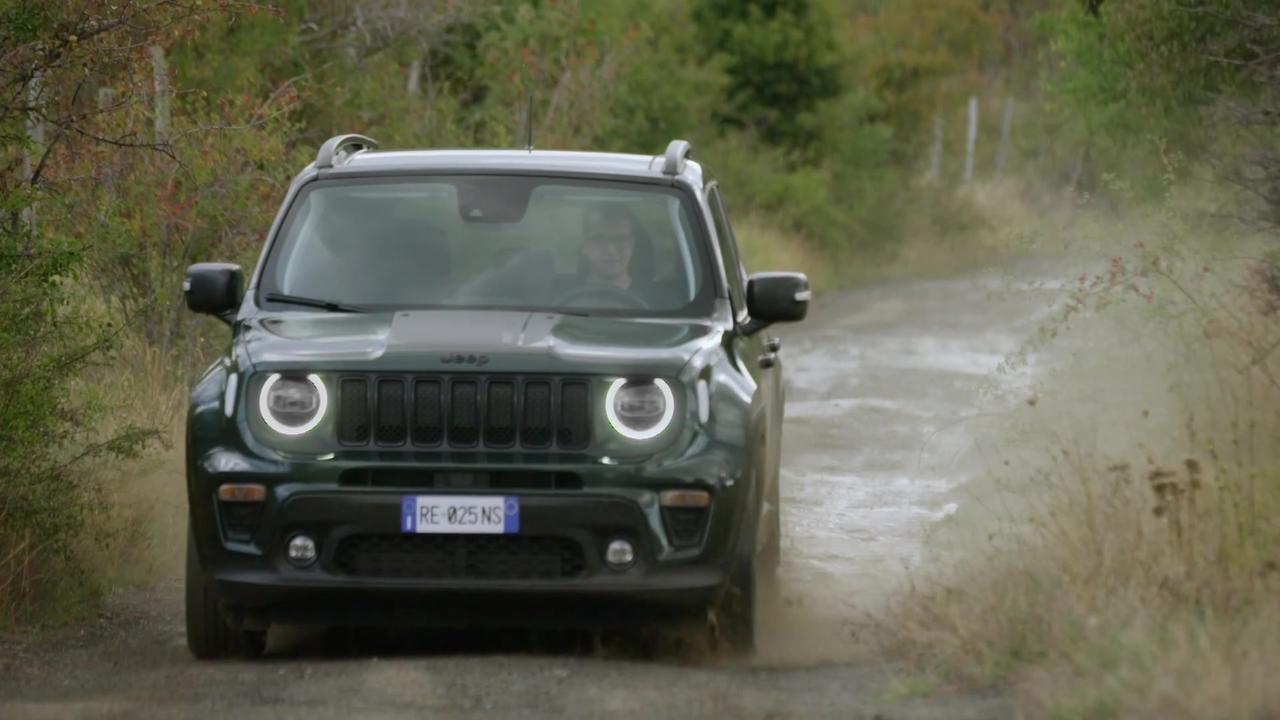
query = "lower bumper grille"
x=482 y=557
x=685 y=525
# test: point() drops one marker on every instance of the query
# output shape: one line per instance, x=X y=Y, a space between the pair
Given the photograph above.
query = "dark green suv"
x=487 y=387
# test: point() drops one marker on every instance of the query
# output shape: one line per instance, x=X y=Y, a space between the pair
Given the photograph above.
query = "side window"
x=729 y=251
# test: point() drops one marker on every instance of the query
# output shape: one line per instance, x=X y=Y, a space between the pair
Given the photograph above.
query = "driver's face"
x=608 y=250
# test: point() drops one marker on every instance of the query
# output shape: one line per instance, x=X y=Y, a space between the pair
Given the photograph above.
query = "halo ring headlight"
x=633 y=433
x=264 y=406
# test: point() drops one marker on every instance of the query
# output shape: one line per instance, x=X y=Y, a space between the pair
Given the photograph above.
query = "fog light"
x=301 y=551
x=619 y=554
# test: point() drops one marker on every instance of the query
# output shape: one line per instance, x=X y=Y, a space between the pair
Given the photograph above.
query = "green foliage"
x=923 y=56
x=22 y=21
x=49 y=427
x=1148 y=79
x=52 y=334
x=781 y=61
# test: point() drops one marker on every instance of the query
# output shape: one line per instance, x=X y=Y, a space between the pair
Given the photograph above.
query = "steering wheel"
x=611 y=295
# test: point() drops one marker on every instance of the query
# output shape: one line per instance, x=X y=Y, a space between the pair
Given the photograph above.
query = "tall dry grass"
x=139 y=534
x=127 y=511
x=1131 y=569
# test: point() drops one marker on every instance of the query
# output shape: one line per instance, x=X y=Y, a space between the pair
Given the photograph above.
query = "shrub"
x=61 y=143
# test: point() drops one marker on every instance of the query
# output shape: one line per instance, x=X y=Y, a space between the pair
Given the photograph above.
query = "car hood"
x=473 y=341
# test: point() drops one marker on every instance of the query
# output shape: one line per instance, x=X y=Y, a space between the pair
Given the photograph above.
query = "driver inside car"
x=616 y=265
x=609 y=238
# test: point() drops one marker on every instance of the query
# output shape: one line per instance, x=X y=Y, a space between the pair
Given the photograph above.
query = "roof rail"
x=677 y=153
x=339 y=148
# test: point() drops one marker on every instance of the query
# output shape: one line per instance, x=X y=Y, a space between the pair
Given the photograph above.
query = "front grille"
x=504 y=412
x=481 y=557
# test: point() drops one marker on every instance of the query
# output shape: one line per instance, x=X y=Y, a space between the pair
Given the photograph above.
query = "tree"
x=781 y=61
x=1176 y=74
x=55 y=58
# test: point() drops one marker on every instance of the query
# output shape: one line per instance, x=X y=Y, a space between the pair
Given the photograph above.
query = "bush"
x=64 y=160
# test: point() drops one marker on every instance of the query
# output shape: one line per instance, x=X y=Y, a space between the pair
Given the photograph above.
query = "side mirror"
x=214 y=289
x=776 y=297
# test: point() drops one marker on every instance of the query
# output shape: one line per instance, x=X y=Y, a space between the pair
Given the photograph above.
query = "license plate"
x=458 y=514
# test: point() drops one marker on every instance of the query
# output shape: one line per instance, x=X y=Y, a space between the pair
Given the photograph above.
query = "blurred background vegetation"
x=138 y=136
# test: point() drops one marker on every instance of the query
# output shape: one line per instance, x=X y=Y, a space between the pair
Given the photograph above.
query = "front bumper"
x=259 y=586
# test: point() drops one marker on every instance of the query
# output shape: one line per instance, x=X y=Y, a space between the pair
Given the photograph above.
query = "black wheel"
x=753 y=584
x=209 y=637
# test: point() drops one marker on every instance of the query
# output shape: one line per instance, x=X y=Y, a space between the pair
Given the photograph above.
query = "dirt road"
x=886 y=391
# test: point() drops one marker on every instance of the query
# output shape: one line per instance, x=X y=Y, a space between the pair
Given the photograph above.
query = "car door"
x=754 y=358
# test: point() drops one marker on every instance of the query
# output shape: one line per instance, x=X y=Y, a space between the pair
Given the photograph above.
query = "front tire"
x=736 y=615
x=209 y=637
x=753 y=582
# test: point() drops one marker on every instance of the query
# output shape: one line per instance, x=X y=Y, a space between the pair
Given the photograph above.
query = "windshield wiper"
x=313 y=302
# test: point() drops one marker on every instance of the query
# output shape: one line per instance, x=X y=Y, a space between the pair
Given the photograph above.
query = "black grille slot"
x=487 y=557
x=464 y=413
x=239 y=519
x=572 y=432
x=684 y=525
x=392 y=428
x=500 y=416
x=428 y=413
x=394 y=477
x=353 y=418
x=536 y=428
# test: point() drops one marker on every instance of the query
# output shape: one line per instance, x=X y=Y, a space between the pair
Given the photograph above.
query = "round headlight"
x=292 y=405
x=639 y=410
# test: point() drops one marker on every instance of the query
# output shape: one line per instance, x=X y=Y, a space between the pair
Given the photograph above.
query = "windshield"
x=501 y=242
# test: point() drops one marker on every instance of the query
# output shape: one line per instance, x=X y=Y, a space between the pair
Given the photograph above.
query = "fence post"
x=414 y=82
x=1006 y=129
x=160 y=105
x=106 y=175
x=971 y=139
x=35 y=131
x=935 y=155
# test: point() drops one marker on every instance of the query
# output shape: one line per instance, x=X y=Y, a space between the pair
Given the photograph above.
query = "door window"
x=734 y=272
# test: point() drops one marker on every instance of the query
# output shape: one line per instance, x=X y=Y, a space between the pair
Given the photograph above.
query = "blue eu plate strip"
x=510 y=515
x=408 y=514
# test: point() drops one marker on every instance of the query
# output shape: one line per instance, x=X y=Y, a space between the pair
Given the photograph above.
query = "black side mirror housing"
x=214 y=289
x=774 y=297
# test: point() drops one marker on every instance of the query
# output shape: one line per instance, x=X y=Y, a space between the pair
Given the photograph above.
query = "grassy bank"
x=1120 y=558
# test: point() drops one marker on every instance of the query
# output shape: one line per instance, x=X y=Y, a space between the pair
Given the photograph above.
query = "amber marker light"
x=684 y=498
x=242 y=492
